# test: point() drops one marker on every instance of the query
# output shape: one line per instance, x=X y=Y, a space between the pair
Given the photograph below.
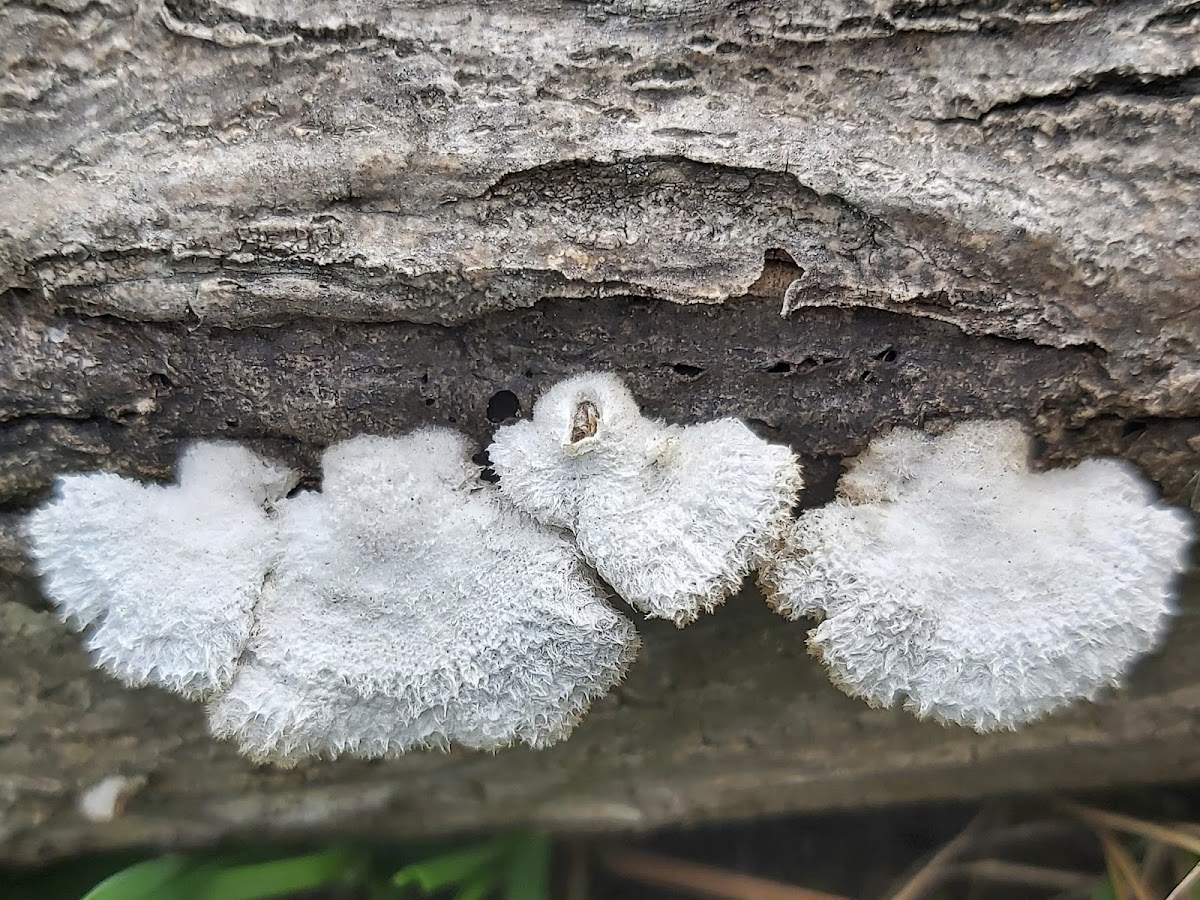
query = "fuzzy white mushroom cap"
x=164 y=577
x=413 y=608
x=673 y=518
x=954 y=579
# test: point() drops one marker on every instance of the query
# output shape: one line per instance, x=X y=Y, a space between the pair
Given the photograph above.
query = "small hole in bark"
x=232 y=422
x=453 y=420
x=429 y=401
x=780 y=368
x=888 y=355
x=761 y=424
x=486 y=472
x=866 y=376
x=425 y=378
x=1134 y=427
x=161 y=381
x=503 y=405
x=529 y=373
x=779 y=255
x=688 y=371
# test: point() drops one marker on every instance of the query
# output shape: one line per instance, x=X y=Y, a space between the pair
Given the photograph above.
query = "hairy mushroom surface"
x=164 y=578
x=952 y=578
x=672 y=517
x=413 y=608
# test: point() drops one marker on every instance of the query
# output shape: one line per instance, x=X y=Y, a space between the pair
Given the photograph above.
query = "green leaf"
x=527 y=870
x=180 y=878
x=257 y=881
x=150 y=880
x=482 y=884
x=450 y=869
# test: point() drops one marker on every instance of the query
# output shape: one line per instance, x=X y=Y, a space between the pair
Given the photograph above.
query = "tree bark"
x=290 y=221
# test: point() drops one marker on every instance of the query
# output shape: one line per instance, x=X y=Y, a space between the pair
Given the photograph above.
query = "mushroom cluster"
x=403 y=605
x=409 y=604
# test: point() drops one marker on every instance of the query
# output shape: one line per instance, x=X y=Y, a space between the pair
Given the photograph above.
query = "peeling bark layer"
x=290 y=221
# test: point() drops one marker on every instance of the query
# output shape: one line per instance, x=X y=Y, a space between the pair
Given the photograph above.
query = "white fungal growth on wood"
x=410 y=609
x=673 y=518
x=404 y=605
x=163 y=577
x=953 y=579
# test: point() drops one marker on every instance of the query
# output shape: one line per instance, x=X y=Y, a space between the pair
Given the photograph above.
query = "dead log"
x=290 y=222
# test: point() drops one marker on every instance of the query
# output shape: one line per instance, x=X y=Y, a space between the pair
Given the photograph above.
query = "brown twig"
x=1191 y=828
x=1042 y=830
x=1121 y=868
x=1002 y=871
x=696 y=878
x=1158 y=856
x=1174 y=835
x=1128 y=824
x=935 y=869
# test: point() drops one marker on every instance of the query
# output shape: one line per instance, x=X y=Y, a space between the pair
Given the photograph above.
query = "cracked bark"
x=288 y=222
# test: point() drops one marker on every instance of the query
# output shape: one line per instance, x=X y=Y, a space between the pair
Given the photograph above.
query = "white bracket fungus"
x=164 y=577
x=412 y=609
x=673 y=518
x=952 y=577
x=404 y=605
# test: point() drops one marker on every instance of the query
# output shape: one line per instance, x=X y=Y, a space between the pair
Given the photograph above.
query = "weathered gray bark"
x=287 y=222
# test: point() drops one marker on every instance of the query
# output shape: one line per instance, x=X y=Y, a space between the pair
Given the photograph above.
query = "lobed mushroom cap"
x=954 y=579
x=412 y=608
x=672 y=518
x=164 y=578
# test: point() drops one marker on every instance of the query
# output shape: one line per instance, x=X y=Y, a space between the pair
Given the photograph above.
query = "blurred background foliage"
x=1137 y=845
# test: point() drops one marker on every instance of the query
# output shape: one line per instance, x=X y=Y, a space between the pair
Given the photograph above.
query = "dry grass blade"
x=1114 y=874
x=938 y=865
x=1002 y=871
x=1176 y=837
x=1122 y=869
x=1041 y=831
x=1155 y=862
x=1192 y=828
x=699 y=879
x=1186 y=888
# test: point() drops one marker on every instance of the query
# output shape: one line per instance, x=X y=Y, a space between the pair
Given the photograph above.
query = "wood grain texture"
x=290 y=221
x=727 y=718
